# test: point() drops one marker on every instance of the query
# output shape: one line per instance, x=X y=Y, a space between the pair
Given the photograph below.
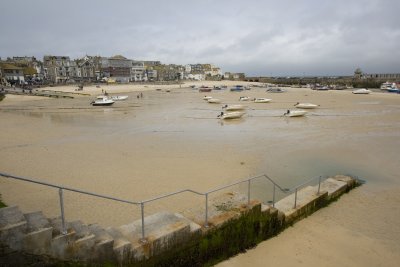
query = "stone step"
x=38 y=242
x=56 y=223
x=61 y=244
x=100 y=233
x=83 y=248
x=36 y=221
x=10 y=215
x=81 y=229
x=12 y=234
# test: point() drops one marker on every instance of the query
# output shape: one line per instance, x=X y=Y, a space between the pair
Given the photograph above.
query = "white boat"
x=207 y=97
x=295 y=113
x=214 y=101
x=231 y=115
x=234 y=107
x=361 y=91
x=102 y=100
x=305 y=105
x=387 y=85
x=262 y=100
x=244 y=98
x=119 y=97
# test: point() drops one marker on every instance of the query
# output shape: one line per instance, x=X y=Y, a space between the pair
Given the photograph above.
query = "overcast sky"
x=259 y=38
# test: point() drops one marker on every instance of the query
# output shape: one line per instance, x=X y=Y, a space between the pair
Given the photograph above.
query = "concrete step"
x=38 y=242
x=81 y=229
x=36 y=221
x=100 y=233
x=56 y=223
x=61 y=244
x=83 y=248
x=12 y=234
x=10 y=215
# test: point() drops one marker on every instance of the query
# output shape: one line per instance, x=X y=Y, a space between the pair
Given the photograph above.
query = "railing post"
x=60 y=193
x=206 y=220
x=273 y=197
x=295 y=198
x=319 y=184
x=248 y=193
x=142 y=212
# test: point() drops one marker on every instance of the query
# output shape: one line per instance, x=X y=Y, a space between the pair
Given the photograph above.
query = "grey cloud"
x=256 y=37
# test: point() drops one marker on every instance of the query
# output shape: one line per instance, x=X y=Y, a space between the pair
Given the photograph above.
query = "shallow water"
x=164 y=142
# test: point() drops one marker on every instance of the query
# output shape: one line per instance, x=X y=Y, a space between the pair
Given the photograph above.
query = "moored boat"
x=234 y=107
x=305 y=105
x=244 y=98
x=262 y=100
x=205 y=89
x=275 y=90
x=361 y=91
x=295 y=113
x=119 y=97
x=102 y=100
x=231 y=115
x=237 y=88
x=214 y=101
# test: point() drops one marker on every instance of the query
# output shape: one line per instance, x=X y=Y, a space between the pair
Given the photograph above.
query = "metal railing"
x=143 y=202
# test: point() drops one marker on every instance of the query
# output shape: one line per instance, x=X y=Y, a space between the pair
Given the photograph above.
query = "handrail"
x=143 y=202
x=66 y=188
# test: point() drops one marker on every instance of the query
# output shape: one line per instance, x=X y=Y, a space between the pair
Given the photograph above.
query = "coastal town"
x=116 y=69
x=28 y=72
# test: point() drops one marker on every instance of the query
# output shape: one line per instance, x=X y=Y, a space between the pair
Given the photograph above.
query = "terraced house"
x=60 y=69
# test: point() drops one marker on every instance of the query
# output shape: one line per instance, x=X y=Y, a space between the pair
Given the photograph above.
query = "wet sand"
x=168 y=141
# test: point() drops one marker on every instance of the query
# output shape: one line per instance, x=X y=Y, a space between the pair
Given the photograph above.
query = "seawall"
x=171 y=239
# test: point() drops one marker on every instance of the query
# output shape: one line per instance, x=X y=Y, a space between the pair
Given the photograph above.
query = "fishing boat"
x=231 y=115
x=214 y=101
x=386 y=85
x=305 y=105
x=234 y=107
x=295 y=113
x=102 y=100
x=361 y=91
x=262 y=100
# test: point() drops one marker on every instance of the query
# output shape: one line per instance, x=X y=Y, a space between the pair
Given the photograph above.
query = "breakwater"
x=171 y=239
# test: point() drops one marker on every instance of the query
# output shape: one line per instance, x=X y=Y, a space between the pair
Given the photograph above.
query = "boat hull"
x=296 y=113
x=306 y=106
x=232 y=115
x=262 y=100
x=102 y=104
x=234 y=107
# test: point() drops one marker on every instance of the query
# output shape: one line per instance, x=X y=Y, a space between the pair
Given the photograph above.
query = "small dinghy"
x=234 y=107
x=231 y=115
x=262 y=100
x=295 y=113
x=362 y=91
x=214 y=101
x=244 y=98
x=119 y=97
x=207 y=97
x=305 y=105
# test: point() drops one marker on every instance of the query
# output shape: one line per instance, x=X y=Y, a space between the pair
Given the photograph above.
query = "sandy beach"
x=168 y=141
